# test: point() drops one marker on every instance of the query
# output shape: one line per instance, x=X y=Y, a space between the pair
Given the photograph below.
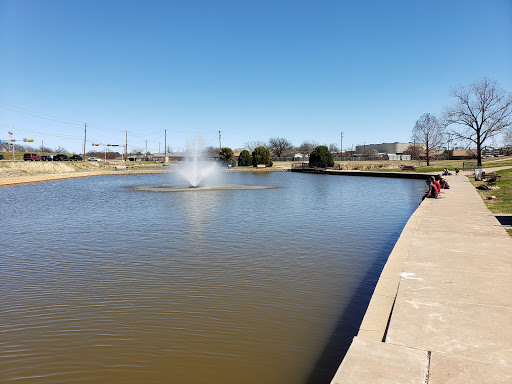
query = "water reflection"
x=211 y=287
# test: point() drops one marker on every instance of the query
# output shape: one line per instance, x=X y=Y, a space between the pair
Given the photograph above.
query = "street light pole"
x=341 y=147
x=85 y=138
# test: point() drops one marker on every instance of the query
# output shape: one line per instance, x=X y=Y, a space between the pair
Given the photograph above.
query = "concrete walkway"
x=442 y=310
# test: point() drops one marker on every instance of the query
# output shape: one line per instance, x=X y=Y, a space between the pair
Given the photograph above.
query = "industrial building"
x=394 y=148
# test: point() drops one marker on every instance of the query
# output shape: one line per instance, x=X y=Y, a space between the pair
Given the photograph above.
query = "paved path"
x=442 y=310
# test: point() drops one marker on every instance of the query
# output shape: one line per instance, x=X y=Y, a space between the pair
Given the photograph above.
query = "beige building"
x=395 y=147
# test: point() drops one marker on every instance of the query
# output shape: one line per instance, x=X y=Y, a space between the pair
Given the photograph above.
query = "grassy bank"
x=499 y=198
x=421 y=166
x=13 y=169
x=10 y=169
x=502 y=191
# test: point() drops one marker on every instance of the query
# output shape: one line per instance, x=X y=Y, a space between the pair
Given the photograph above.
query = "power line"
x=41 y=133
x=77 y=124
x=39 y=115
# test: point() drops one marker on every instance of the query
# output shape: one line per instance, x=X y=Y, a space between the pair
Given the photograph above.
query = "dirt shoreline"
x=14 y=180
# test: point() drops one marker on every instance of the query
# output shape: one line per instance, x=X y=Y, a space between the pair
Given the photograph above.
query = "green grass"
x=502 y=191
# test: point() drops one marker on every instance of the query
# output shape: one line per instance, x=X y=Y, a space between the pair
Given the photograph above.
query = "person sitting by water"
x=446 y=172
x=432 y=189
x=436 y=184
x=442 y=182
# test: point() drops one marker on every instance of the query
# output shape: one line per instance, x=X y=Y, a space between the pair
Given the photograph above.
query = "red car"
x=31 y=157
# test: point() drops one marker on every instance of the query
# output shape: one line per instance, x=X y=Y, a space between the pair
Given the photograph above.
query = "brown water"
x=104 y=284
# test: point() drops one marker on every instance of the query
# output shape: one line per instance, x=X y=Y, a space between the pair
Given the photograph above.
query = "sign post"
x=12 y=141
x=106 y=146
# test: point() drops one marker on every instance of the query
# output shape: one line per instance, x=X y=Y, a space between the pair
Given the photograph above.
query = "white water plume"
x=196 y=168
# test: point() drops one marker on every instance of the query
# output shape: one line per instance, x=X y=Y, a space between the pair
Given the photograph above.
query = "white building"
x=393 y=148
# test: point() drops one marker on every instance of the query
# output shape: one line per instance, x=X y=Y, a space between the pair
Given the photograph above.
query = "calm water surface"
x=104 y=284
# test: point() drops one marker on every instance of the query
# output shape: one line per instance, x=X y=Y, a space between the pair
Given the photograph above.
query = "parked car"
x=2 y=157
x=31 y=157
x=75 y=158
x=93 y=159
x=60 y=157
x=46 y=158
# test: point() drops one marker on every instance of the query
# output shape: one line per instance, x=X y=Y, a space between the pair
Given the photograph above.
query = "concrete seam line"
x=389 y=318
x=427 y=373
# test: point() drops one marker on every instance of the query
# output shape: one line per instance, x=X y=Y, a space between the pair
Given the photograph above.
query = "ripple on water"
x=108 y=284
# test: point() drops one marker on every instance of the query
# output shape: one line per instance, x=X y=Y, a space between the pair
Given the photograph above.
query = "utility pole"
x=341 y=146
x=126 y=147
x=85 y=138
x=146 y=147
x=165 y=147
x=220 y=145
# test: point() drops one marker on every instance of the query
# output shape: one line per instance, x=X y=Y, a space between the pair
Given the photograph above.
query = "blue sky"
x=303 y=70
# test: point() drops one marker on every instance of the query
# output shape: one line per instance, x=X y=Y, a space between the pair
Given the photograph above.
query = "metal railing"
x=470 y=165
x=304 y=166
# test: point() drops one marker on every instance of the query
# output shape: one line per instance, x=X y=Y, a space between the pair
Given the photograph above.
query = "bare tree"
x=251 y=145
x=307 y=147
x=333 y=147
x=278 y=145
x=212 y=151
x=44 y=149
x=428 y=130
x=21 y=148
x=482 y=111
x=60 y=149
x=507 y=139
x=370 y=152
x=29 y=148
x=414 y=150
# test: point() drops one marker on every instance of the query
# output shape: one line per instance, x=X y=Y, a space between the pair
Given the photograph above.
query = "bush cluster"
x=321 y=157
x=261 y=155
x=227 y=157
x=245 y=158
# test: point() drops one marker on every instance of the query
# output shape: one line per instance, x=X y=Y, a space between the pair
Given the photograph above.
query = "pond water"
x=101 y=283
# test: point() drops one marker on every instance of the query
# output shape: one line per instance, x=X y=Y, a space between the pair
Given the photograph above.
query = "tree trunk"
x=428 y=154
x=478 y=148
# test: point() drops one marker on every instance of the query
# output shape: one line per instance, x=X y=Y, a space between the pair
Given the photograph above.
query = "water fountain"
x=197 y=173
x=195 y=167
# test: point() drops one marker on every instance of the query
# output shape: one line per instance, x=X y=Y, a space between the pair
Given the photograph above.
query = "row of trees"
x=260 y=155
x=280 y=146
x=5 y=147
x=321 y=156
x=481 y=111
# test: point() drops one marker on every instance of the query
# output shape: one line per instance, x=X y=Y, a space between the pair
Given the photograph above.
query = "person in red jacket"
x=436 y=183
